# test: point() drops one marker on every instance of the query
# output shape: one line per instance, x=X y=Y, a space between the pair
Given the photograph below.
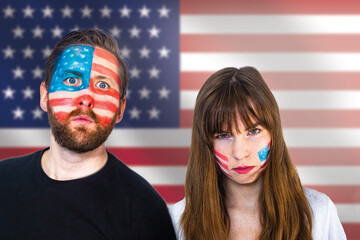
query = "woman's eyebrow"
x=254 y=125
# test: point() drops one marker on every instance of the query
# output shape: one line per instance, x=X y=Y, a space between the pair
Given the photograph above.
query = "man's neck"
x=62 y=164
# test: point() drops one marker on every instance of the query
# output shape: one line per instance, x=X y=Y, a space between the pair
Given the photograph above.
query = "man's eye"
x=71 y=81
x=254 y=131
x=102 y=85
x=222 y=136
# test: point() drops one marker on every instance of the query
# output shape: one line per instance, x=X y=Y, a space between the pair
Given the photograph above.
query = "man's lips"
x=82 y=119
x=243 y=170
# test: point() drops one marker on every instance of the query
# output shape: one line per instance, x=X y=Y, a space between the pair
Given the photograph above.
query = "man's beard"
x=80 y=139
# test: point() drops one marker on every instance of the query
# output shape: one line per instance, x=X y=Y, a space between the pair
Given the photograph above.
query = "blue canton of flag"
x=148 y=37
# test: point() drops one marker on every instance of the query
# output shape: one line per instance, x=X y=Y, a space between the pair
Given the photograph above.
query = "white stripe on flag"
x=297 y=100
x=325 y=175
x=348 y=213
x=279 y=62
x=269 y=24
x=294 y=137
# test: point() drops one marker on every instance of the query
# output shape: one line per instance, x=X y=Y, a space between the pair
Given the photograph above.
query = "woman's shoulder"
x=176 y=211
x=325 y=219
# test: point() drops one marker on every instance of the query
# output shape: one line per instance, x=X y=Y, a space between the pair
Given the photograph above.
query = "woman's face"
x=242 y=156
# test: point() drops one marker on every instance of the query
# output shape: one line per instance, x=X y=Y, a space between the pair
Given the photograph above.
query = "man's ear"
x=43 y=97
x=122 y=109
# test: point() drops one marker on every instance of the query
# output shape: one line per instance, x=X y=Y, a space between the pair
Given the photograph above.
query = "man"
x=75 y=189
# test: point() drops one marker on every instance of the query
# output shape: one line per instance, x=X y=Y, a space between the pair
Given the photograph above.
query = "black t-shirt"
x=113 y=203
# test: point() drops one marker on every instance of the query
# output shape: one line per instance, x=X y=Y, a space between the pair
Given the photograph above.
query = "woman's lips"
x=243 y=170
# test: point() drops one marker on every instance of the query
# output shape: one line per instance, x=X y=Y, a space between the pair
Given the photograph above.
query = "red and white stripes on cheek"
x=64 y=102
x=222 y=161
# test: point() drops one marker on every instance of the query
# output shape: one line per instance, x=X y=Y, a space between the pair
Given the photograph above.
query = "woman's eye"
x=254 y=131
x=102 y=85
x=222 y=136
x=72 y=81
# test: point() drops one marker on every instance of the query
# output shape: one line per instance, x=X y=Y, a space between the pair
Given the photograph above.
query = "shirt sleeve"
x=336 y=230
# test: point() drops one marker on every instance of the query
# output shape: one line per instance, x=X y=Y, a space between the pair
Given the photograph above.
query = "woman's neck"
x=242 y=196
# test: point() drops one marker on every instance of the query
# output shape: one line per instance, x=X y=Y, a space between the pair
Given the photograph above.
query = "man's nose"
x=85 y=101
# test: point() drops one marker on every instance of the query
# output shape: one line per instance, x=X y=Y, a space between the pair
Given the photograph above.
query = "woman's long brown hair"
x=285 y=213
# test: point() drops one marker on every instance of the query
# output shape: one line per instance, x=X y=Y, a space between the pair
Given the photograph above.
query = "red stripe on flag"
x=343 y=194
x=152 y=156
x=274 y=43
x=268 y=7
x=171 y=194
x=325 y=156
x=302 y=118
x=179 y=156
x=352 y=230
x=286 y=80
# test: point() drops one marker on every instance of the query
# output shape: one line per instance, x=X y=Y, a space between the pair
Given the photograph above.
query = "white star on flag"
x=38 y=32
x=115 y=31
x=135 y=113
x=9 y=52
x=154 y=113
x=144 y=93
x=28 y=52
x=125 y=52
x=164 y=52
x=67 y=12
x=154 y=72
x=125 y=12
x=47 y=12
x=86 y=12
x=9 y=12
x=37 y=72
x=154 y=32
x=164 y=93
x=18 y=72
x=46 y=52
x=28 y=92
x=135 y=72
x=18 y=32
x=144 y=52
x=163 y=12
x=134 y=32
x=144 y=12
x=128 y=93
x=18 y=113
x=57 y=32
x=105 y=12
x=28 y=11
x=9 y=93
x=37 y=113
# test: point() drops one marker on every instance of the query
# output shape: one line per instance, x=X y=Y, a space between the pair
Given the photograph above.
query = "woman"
x=240 y=182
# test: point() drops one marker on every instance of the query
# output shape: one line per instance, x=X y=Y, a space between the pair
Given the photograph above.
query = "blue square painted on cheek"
x=74 y=61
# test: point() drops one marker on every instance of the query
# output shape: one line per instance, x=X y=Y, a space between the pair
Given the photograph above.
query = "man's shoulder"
x=17 y=161
x=137 y=185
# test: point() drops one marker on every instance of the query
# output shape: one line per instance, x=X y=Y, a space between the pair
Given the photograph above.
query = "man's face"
x=83 y=99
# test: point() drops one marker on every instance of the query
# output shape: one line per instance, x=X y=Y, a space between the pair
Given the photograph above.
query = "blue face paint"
x=263 y=153
x=74 y=62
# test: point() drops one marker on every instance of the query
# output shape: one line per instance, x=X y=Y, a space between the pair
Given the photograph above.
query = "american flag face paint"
x=242 y=153
x=222 y=161
x=87 y=77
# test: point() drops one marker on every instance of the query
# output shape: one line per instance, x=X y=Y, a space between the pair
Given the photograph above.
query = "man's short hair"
x=93 y=38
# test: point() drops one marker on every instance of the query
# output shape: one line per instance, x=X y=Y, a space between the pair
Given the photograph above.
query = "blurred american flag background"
x=308 y=52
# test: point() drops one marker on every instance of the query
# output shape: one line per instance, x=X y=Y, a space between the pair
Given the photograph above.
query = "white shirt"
x=325 y=219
